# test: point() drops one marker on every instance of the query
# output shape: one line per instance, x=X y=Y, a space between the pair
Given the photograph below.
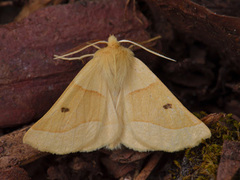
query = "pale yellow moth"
x=116 y=100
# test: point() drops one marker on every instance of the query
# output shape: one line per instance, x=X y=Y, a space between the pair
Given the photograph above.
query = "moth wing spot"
x=64 y=109
x=167 y=106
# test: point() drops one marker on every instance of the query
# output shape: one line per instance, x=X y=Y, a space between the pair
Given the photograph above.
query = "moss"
x=202 y=161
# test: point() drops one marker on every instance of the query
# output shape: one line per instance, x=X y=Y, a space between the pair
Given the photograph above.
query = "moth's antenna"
x=94 y=45
x=146 y=49
x=147 y=41
x=63 y=57
x=73 y=58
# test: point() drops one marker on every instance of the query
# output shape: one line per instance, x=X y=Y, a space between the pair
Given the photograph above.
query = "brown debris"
x=229 y=8
x=6 y=3
x=56 y=172
x=14 y=153
x=230 y=161
x=123 y=162
x=127 y=155
x=155 y=157
x=212 y=118
x=74 y=166
x=14 y=173
x=117 y=169
x=31 y=7
x=181 y=15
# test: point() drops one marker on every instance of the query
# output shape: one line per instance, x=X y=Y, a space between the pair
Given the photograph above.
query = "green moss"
x=202 y=161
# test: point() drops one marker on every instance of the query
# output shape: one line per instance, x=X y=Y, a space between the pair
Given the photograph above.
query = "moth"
x=116 y=100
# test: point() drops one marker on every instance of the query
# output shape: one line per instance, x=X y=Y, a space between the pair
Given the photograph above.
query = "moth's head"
x=114 y=51
x=113 y=42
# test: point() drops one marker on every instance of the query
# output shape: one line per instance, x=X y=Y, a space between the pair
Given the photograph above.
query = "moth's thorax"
x=116 y=62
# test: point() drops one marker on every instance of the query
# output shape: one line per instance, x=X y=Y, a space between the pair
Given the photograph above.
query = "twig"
x=150 y=166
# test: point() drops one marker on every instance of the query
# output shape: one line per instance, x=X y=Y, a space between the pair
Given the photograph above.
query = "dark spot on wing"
x=64 y=110
x=167 y=106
